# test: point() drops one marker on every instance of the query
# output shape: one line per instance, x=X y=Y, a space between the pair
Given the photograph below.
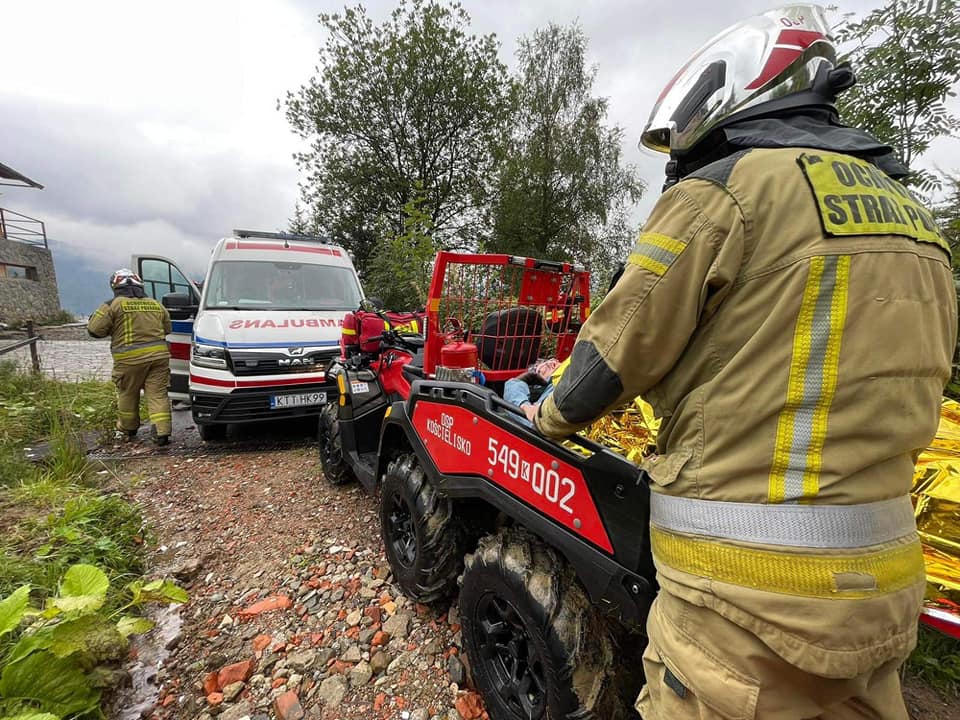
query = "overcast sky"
x=154 y=126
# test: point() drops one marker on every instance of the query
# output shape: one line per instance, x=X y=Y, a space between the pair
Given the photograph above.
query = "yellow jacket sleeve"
x=683 y=265
x=100 y=323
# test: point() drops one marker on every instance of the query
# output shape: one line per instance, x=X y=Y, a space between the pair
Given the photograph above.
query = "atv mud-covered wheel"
x=335 y=467
x=424 y=544
x=536 y=646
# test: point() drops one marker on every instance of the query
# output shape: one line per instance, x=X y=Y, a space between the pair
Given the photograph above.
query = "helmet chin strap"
x=672 y=171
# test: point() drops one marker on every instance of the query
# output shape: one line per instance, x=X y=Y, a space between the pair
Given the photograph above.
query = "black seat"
x=510 y=339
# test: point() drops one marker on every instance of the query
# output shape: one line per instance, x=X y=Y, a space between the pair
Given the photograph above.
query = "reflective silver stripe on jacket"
x=812 y=526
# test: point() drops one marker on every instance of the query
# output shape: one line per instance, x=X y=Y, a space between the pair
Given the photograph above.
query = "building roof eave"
x=19 y=180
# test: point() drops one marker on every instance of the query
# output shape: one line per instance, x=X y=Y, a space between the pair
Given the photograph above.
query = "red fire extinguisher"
x=458 y=359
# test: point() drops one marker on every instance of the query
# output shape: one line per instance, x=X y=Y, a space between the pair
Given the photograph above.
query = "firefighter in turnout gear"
x=790 y=313
x=137 y=326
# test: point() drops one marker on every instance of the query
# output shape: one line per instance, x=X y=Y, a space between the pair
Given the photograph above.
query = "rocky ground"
x=292 y=611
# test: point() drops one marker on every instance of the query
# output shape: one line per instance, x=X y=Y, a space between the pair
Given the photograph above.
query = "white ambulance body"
x=267 y=324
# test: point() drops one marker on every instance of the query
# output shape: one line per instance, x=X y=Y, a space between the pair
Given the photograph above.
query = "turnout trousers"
x=153 y=377
x=701 y=666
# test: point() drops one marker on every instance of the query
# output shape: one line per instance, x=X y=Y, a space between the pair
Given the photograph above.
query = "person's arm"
x=167 y=325
x=100 y=323
x=685 y=261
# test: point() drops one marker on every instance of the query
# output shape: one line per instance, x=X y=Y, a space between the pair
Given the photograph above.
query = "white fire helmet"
x=125 y=278
x=782 y=59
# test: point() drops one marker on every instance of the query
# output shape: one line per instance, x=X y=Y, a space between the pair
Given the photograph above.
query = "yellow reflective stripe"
x=828 y=377
x=664 y=242
x=656 y=252
x=657 y=268
x=812 y=381
x=348 y=331
x=838 y=576
x=127 y=413
x=434 y=305
x=127 y=329
x=139 y=352
x=157 y=417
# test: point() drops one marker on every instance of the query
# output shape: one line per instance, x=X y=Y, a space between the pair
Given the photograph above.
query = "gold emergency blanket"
x=632 y=432
x=936 y=501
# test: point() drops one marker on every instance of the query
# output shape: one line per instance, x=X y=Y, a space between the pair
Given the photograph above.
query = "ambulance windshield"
x=265 y=285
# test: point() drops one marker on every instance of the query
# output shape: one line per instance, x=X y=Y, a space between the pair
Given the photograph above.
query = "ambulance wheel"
x=335 y=467
x=423 y=542
x=536 y=646
x=216 y=431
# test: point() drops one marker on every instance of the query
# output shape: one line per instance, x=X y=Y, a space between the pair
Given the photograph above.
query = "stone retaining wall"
x=21 y=298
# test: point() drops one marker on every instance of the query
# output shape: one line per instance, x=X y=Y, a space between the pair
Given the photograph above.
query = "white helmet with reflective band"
x=125 y=278
x=781 y=59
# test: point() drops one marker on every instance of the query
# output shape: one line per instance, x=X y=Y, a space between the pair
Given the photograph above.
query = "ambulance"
x=253 y=343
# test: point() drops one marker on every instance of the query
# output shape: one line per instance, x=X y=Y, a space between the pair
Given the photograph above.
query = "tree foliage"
x=401 y=266
x=416 y=99
x=947 y=212
x=906 y=56
x=563 y=191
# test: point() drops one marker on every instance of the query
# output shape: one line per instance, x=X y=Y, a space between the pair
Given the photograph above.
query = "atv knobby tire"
x=423 y=541
x=335 y=467
x=537 y=648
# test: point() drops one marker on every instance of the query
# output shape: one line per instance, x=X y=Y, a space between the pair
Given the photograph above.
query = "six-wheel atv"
x=549 y=541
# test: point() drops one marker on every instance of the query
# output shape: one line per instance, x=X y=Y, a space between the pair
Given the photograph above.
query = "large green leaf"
x=157 y=591
x=31 y=716
x=128 y=625
x=28 y=644
x=83 y=589
x=56 y=685
x=84 y=580
x=12 y=609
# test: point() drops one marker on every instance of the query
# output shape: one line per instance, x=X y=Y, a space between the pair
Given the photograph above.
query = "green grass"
x=53 y=514
x=936 y=661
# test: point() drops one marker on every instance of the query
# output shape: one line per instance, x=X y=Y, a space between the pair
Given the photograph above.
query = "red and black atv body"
x=549 y=542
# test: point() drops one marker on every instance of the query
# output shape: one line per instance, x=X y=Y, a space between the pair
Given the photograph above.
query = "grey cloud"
x=101 y=169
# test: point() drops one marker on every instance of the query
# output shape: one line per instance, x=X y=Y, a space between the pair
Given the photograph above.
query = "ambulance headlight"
x=209 y=356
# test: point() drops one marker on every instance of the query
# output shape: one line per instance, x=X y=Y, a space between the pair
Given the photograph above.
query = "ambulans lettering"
x=856 y=198
x=297 y=323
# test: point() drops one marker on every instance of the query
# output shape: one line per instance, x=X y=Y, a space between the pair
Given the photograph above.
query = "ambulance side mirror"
x=179 y=305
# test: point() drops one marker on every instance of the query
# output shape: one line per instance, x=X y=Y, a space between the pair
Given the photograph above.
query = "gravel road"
x=292 y=611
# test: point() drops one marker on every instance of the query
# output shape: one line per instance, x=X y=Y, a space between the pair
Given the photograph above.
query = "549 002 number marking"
x=544 y=481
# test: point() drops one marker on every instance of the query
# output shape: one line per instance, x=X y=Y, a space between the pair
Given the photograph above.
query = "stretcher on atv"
x=549 y=541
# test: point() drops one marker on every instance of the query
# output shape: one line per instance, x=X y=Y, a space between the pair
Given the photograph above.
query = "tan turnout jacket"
x=791 y=314
x=138 y=328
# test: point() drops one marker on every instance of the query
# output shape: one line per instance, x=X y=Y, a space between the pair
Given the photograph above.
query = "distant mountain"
x=83 y=283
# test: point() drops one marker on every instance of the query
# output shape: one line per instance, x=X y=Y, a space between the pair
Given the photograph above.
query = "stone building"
x=28 y=282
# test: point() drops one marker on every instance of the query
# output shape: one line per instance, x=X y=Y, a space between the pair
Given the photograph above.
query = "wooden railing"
x=30 y=340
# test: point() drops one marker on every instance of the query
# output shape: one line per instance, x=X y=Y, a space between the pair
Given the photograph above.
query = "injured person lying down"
x=527 y=391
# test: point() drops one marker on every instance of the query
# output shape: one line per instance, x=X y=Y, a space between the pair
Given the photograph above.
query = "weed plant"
x=936 y=660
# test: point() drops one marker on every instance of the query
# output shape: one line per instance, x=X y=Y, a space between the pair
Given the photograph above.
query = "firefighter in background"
x=137 y=326
x=789 y=311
